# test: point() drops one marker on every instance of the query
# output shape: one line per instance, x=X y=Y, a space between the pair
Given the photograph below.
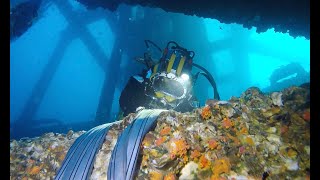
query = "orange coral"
x=223 y=139
x=226 y=123
x=306 y=115
x=292 y=153
x=235 y=140
x=144 y=161
x=172 y=156
x=165 y=131
x=206 y=113
x=178 y=147
x=307 y=177
x=160 y=140
x=195 y=154
x=204 y=163
x=170 y=176
x=154 y=175
x=212 y=144
x=244 y=130
x=284 y=129
x=34 y=170
x=220 y=166
x=249 y=141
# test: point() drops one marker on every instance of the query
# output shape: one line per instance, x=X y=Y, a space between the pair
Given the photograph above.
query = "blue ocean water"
x=59 y=65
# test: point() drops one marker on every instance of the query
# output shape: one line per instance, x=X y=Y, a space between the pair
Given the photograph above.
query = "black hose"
x=172 y=42
x=148 y=41
x=210 y=79
x=182 y=49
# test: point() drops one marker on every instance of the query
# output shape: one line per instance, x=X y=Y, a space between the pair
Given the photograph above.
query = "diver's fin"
x=78 y=162
x=125 y=153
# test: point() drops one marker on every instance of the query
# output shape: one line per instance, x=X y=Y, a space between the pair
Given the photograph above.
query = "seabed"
x=255 y=136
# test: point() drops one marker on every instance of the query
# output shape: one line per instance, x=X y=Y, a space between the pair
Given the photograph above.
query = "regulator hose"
x=209 y=78
x=155 y=45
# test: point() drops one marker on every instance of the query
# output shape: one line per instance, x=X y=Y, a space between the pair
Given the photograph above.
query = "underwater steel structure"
x=76 y=29
x=291 y=16
x=282 y=15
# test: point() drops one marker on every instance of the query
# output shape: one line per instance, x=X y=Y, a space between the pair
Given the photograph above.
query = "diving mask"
x=169 y=87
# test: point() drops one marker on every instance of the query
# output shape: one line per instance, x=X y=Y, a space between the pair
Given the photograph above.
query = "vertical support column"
x=103 y=114
x=41 y=86
x=240 y=55
x=109 y=85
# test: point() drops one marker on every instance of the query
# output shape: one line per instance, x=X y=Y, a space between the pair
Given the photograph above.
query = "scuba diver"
x=167 y=83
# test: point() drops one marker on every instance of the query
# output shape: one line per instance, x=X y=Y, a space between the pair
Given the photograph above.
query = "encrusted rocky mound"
x=256 y=136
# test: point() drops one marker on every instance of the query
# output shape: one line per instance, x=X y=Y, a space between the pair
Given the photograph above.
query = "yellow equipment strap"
x=171 y=61
x=155 y=69
x=180 y=66
x=159 y=94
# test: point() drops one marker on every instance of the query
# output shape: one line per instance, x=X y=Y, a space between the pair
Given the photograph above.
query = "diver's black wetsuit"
x=133 y=96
